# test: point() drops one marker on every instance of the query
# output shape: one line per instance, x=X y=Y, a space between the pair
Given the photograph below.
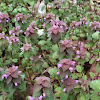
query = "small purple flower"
x=18 y=27
x=44 y=25
x=16 y=84
x=62 y=80
x=20 y=31
x=10 y=32
x=76 y=81
x=64 y=89
x=73 y=63
x=66 y=76
x=59 y=9
x=58 y=73
x=40 y=98
x=78 y=56
x=31 y=58
x=30 y=98
x=66 y=28
x=40 y=56
x=71 y=69
x=19 y=72
x=22 y=49
x=4 y=76
x=59 y=65
x=98 y=59
x=44 y=95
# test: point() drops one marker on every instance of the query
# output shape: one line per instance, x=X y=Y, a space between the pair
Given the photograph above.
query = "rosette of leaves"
x=65 y=65
x=75 y=24
x=68 y=84
x=83 y=20
x=81 y=54
x=4 y=18
x=95 y=26
x=19 y=17
x=57 y=27
x=47 y=18
x=26 y=47
x=12 y=76
x=42 y=84
x=30 y=31
x=15 y=31
x=66 y=46
x=13 y=40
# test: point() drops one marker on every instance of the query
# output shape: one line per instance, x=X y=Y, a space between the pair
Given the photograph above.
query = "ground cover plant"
x=49 y=50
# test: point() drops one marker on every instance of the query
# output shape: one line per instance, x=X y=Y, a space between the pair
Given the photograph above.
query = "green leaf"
x=95 y=35
x=79 y=68
x=63 y=96
x=95 y=51
x=55 y=48
x=98 y=67
x=20 y=55
x=95 y=85
x=42 y=8
x=45 y=65
x=74 y=76
x=7 y=62
x=74 y=38
x=55 y=55
x=22 y=76
x=91 y=74
x=91 y=61
x=52 y=72
x=46 y=1
x=42 y=42
x=47 y=91
x=10 y=8
x=14 y=60
x=22 y=86
x=89 y=44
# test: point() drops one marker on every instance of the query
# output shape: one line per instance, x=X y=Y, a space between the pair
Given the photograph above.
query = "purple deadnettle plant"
x=13 y=40
x=49 y=16
x=75 y=24
x=15 y=31
x=95 y=25
x=12 y=76
x=68 y=84
x=42 y=83
x=66 y=64
x=83 y=20
x=26 y=47
x=57 y=27
x=66 y=45
x=19 y=17
x=4 y=18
